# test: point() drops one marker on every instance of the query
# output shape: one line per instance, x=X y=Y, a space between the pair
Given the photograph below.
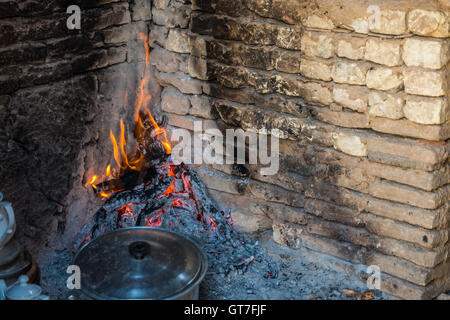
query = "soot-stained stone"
x=204 y=5
x=231 y=8
x=44 y=130
x=203 y=24
x=27 y=8
x=291 y=12
x=34 y=29
x=72 y=45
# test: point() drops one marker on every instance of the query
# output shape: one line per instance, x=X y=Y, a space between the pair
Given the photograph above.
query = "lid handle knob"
x=139 y=250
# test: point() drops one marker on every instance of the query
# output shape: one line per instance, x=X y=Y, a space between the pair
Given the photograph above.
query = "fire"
x=167 y=145
x=125 y=214
x=153 y=147
x=120 y=152
x=156 y=220
x=104 y=194
x=177 y=203
x=125 y=209
x=92 y=181
x=143 y=99
x=116 y=149
x=122 y=160
x=171 y=188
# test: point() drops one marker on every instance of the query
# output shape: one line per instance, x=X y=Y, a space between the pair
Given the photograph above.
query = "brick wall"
x=363 y=111
x=61 y=91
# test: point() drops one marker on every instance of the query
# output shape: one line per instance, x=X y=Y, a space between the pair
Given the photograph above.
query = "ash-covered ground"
x=303 y=275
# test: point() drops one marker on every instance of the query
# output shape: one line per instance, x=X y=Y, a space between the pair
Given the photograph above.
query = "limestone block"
x=173 y=101
x=425 y=83
x=178 y=41
x=427 y=110
x=389 y=22
x=318 y=44
x=350 y=144
x=315 y=69
x=351 y=97
x=432 y=54
x=386 y=105
x=428 y=23
x=384 y=79
x=350 y=72
x=384 y=52
x=351 y=48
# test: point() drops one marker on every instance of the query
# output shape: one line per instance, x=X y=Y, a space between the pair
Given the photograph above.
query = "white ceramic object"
x=22 y=290
x=7 y=222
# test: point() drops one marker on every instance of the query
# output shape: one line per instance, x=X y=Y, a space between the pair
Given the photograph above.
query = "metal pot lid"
x=17 y=267
x=140 y=263
x=9 y=253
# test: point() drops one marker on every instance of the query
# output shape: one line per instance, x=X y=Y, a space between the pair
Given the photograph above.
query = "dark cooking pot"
x=141 y=264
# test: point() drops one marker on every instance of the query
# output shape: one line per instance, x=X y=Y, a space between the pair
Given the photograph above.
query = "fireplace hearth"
x=302 y=144
x=150 y=190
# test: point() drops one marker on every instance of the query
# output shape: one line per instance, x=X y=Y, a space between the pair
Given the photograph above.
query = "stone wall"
x=61 y=91
x=362 y=106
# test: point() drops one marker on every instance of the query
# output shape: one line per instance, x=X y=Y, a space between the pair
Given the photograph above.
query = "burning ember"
x=145 y=188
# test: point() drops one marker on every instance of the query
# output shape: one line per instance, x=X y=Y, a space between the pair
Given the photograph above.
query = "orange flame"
x=171 y=188
x=116 y=149
x=121 y=157
x=143 y=36
x=104 y=194
x=93 y=179
x=143 y=99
